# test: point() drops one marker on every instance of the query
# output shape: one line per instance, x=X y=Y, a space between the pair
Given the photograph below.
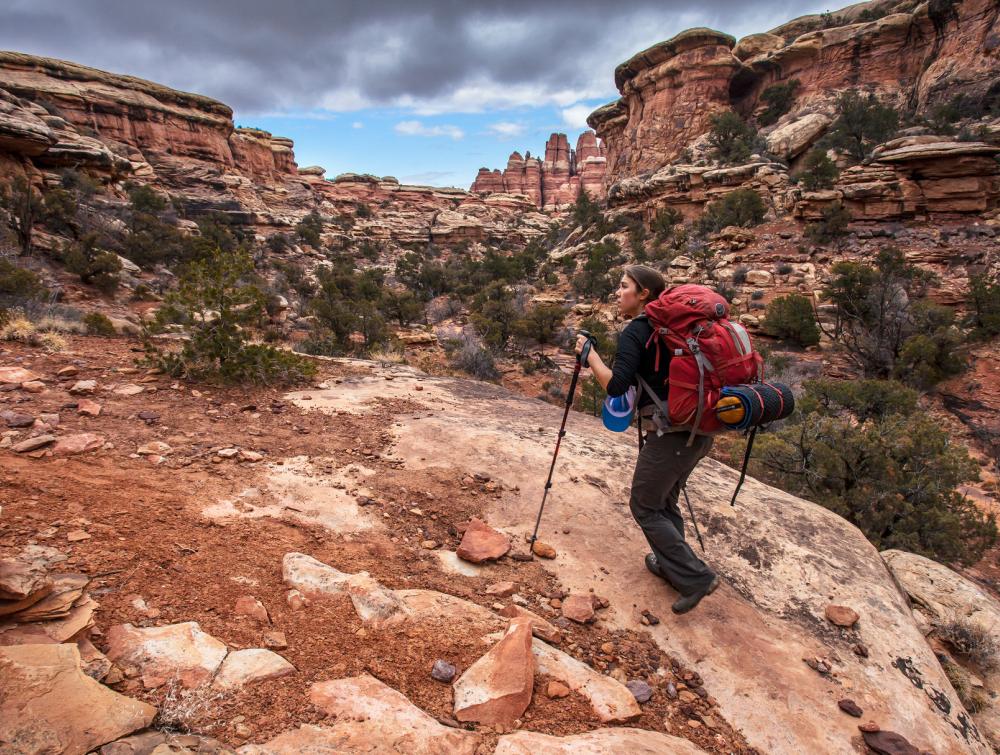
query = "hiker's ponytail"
x=646 y=277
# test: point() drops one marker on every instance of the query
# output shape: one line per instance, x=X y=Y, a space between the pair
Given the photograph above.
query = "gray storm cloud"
x=264 y=56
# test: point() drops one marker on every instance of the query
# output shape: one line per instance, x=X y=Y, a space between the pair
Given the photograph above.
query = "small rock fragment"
x=869 y=727
x=296 y=600
x=578 y=608
x=556 y=690
x=640 y=690
x=850 y=707
x=889 y=743
x=275 y=640
x=227 y=453
x=83 y=387
x=33 y=444
x=248 y=605
x=543 y=550
x=443 y=671
x=77 y=536
x=842 y=616
x=33 y=386
x=482 y=543
x=88 y=408
x=501 y=589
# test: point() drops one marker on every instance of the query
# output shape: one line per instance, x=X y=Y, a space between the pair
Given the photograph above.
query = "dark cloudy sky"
x=426 y=91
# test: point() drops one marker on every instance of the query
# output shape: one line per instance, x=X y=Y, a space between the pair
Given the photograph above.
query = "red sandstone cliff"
x=917 y=56
x=554 y=182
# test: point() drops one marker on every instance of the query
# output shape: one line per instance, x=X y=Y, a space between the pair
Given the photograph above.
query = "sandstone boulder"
x=16 y=375
x=496 y=689
x=180 y=653
x=372 y=717
x=48 y=704
x=747 y=644
x=611 y=700
x=599 y=742
x=78 y=443
x=242 y=667
x=795 y=137
x=315 y=579
x=482 y=543
x=945 y=596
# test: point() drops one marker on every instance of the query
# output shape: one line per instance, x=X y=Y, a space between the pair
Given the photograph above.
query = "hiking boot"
x=687 y=602
x=653 y=565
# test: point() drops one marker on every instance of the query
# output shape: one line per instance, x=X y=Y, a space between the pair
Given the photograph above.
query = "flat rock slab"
x=313 y=578
x=20 y=577
x=176 y=652
x=578 y=608
x=17 y=375
x=242 y=667
x=48 y=705
x=80 y=443
x=611 y=700
x=497 y=688
x=781 y=552
x=161 y=743
x=373 y=717
x=599 y=742
x=33 y=444
x=482 y=543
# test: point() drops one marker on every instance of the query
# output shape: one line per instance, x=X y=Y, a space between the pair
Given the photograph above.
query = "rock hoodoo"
x=555 y=181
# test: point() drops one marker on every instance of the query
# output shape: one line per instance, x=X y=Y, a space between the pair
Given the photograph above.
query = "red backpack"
x=707 y=352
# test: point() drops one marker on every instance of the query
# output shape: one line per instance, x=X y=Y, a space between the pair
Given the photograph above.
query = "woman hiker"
x=665 y=461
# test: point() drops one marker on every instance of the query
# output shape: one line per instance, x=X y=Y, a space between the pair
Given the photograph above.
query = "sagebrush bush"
x=469 y=356
x=792 y=318
x=18 y=283
x=743 y=208
x=98 y=324
x=970 y=641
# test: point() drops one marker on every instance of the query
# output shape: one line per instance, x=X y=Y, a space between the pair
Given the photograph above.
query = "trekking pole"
x=693 y=520
x=746 y=461
x=581 y=359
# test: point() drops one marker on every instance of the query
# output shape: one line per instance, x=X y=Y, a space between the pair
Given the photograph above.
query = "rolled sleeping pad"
x=758 y=404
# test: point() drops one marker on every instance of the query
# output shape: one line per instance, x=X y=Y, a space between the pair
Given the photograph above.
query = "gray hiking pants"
x=662 y=469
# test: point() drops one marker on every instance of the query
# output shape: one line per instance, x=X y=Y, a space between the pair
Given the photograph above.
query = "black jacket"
x=633 y=358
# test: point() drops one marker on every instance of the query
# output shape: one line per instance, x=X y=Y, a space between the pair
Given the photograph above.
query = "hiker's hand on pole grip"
x=584 y=347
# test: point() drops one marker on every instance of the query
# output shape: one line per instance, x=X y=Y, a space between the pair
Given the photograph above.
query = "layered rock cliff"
x=557 y=180
x=916 y=57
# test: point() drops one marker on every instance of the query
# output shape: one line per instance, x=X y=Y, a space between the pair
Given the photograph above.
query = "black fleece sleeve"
x=626 y=362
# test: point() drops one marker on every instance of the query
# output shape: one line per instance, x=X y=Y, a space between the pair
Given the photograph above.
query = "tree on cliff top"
x=732 y=139
x=863 y=122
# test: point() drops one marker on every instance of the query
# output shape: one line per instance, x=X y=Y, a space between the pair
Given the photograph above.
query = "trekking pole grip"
x=584 y=354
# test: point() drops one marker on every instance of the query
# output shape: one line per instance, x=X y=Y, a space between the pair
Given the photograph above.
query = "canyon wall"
x=555 y=181
x=918 y=58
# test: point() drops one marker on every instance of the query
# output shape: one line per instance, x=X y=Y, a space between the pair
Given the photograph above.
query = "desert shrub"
x=494 y=313
x=590 y=397
x=95 y=266
x=972 y=698
x=783 y=268
x=885 y=325
x=862 y=123
x=932 y=352
x=740 y=275
x=402 y=306
x=831 y=226
x=309 y=229
x=540 y=323
x=757 y=295
x=388 y=356
x=278 y=243
x=595 y=279
x=18 y=283
x=468 y=355
x=441 y=309
x=98 y=324
x=50 y=341
x=347 y=309
x=970 y=641
x=779 y=99
x=17 y=327
x=21 y=207
x=792 y=318
x=818 y=171
x=217 y=302
x=984 y=306
x=585 y=211
x=361 y=210
x=865 y=450
x=664 y=223
x=731 y=138
x=742 y=207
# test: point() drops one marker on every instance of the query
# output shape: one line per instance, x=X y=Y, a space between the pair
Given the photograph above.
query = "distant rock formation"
x=917 y=56
x=555 y=181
